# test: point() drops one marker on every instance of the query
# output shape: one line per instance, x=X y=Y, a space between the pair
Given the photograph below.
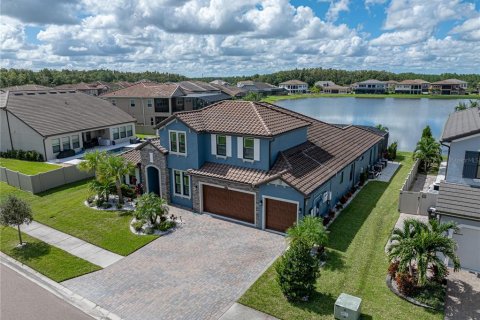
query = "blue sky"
x=221 y=37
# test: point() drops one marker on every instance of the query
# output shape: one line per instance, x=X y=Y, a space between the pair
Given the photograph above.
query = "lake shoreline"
x=273 y=99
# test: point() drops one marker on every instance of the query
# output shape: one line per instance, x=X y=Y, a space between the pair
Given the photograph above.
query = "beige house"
x=448 y=87
x=294 y=86
x=52 y=122
x=336 y=89
x=417 y=86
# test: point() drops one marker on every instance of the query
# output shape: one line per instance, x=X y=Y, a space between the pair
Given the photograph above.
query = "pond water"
x=405 y=118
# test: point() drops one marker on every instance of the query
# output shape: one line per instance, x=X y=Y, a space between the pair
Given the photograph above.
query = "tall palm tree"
x=429 y=152
x=92 y=161
x=116 y=168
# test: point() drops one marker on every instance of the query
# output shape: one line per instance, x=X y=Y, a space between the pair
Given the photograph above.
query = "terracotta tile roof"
x=147 y=90
x=450 y=81
x=230 y=90
x=416 y=81
x=154 y=142
x=132 y=156
x=241 y=118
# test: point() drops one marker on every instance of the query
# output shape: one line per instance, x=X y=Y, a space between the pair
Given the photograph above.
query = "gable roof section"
x=147 y=90
x=26 y=87
x=197 y=86
x=459 y=200
x=51 y=112
x=240 y=118
x=298 y=82
x=155 y=143
x=450 y=81
x=461 y=124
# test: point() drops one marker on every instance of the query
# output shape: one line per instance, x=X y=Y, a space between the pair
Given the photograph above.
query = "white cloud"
x=337 y=6
x=469 y=30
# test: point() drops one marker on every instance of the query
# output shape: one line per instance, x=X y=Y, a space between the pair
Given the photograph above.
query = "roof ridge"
x=260 y=117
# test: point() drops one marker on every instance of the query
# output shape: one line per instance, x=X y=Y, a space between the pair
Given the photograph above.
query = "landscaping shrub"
x=90 y=200
x=128 y=192
x=393 y=268
x=119 y=206
x=326 y=220
x=149 y=230
x=30 y=155
x=106 y=205
x=310 y=230
x=343 y=199
x=99 y=202
x=150 y=207
x=138 y=225
x=339 y=206
x=406 y=283
x=331 y=214
x=297 y=272
x=166 y=225
x=392 y=150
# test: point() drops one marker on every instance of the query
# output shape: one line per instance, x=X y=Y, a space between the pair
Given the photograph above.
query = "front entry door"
x=153 y=180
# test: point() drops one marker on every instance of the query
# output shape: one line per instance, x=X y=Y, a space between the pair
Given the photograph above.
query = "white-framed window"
x=56 y=145
x=132 y=103
x=181 y=183
x=66 y=143
x=129 y=130
x=123 y=132
x=221 y=145
x=115 y=134
x=75 y=141
x=149 y=103
x=178 y=142
x=249 y=148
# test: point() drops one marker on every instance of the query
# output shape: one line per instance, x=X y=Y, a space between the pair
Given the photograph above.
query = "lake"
x=405 y=118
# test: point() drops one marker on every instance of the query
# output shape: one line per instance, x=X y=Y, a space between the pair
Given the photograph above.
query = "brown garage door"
x=279 y=215
x=232 y=204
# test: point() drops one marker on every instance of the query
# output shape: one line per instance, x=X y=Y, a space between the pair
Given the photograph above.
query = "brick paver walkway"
x=72 y=245
x=196 y=272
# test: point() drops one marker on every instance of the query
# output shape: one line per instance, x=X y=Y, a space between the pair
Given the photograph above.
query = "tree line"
x=51 y=77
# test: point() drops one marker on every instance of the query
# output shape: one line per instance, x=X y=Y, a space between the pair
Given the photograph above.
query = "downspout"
x=44 y=150
x=9 y=131
x=448 y=157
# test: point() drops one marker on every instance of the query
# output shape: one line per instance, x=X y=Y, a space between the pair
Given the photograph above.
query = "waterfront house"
x=53 y=121
x=93 y=89
x=294 y=86
x=391 y=85
x=448 y=87
x=459 y=195
x=264 y=88
x=202 y=93
x=234 y=92
x=323 y=84
x=416 y=86
x=255 y=163
x=335 y=89
x=371 y=86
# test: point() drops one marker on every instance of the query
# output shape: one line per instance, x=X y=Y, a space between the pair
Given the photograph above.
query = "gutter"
x=9 y=131
x=448 y=156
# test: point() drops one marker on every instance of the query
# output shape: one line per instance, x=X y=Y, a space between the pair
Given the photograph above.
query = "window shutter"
x=229 y=146
x=256 y=149
x=470 y=165
x=213 y=138
x=240 y=147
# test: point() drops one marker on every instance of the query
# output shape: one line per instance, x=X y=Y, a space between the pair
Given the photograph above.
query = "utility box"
x=347 y=307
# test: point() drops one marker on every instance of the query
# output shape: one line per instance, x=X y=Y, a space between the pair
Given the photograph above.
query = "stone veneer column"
x=160 y=161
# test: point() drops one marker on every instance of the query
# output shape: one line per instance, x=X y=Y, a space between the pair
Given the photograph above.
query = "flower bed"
x=142 y=227
x=110 y=205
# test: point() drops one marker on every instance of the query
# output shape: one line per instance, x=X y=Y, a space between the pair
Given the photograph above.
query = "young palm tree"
x=92 y=161
x=400 y=248
x=381 y=127
x=115 y=168
x=101 y=188
x=429 y=152
x=311 y=230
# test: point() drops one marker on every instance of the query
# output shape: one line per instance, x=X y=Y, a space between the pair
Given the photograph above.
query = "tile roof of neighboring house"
x=196 y=86
x=81 y=86
x=155 y=143
x=461 y=124
x=231 y=90
x=369 y=128
x=51 y=112
x=258 y=85
x=26 y=87
x=458 y=200
x=391 y=82
x=416 y=81
x=371 y=81
x=231 y=173
x=325 y=83
x=450 y=81
x=297 y=82
x=147 y=90
x=220 y=82
x=132 y=156
x=257 y=119
x=210 y=97
x=334 y=86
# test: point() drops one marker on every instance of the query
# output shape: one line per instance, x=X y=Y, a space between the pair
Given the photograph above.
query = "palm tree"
x=400 y=245
x=429 y=152
x=381 y=127
x=464 y=106
x=150 y=207
x=310 y=229
x=101 y=188
x=115 y=168
x=92 y=161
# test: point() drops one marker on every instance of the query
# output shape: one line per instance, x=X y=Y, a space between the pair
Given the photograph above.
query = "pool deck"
x=74 y=160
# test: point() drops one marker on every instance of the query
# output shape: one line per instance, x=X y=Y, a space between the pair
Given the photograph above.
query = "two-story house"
x=261 y=87
x=459 y=195
x=416 y=86
x=448 y=87
x=371 y=86
x=256 y=163
x=294 y=86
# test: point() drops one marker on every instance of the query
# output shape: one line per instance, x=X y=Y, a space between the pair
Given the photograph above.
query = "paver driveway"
x=196 y=272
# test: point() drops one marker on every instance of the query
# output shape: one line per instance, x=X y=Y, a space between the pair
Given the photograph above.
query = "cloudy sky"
x=241 y=37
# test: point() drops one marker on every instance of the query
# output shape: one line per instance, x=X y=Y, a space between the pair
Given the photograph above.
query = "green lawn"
x=27 y=167
x=144 y=136
x=63 y=209
x=50 y=261
x=273 y=99
x=356 y=263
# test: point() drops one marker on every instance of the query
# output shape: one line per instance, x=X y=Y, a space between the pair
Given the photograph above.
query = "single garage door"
x=279 y=215
x=468 y=251
x=229 y=203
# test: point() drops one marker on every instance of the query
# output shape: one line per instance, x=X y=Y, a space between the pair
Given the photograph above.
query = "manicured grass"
x=27 y=167
x=144 y=136
x=356 y=263
x=63 y=209
x=50 y=261
x=273 y=99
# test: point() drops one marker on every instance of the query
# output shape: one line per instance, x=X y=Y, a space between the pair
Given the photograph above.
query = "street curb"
x=81 y=303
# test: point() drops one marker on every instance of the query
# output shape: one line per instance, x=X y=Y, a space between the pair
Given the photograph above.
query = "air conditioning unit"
x=347 y=307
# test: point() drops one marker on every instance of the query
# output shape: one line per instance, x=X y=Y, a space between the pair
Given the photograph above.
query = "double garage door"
x=279 y=215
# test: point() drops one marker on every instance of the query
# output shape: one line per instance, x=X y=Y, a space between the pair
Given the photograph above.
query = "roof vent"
x=18 y=93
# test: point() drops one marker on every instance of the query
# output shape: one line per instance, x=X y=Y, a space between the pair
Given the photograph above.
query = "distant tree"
x=309 y=229
x=253 y=96
x=14 y=212
x=315 y=89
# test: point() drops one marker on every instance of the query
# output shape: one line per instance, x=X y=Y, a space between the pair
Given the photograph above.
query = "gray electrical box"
x=347 y=307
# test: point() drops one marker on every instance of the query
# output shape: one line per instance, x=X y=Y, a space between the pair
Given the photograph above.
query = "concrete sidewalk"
x=72 y=245
x=240 y=312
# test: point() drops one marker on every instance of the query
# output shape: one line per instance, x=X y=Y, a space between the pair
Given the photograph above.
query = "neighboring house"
x=459 y=195
x=294 y=86
x=323 y=84
x=51 y=121
x=336 y=89
x=417 y=86
x=232 y=91
x=391 y=86
x=202 y=93
x=261 y=87
x=150 y=103
x=448 y=87
x=256 y=163
x=220 y=82
x=30 y=87
x=93 y=89
x=371 y=86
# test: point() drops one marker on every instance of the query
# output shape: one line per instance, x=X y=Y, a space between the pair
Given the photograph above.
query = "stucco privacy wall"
x=43 y=181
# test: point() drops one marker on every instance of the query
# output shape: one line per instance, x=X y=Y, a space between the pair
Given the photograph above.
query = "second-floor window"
x=149 y=103
x=178 y=142
x=249 y=148
x=222 y=145
x=471 y=166
x=132 y=103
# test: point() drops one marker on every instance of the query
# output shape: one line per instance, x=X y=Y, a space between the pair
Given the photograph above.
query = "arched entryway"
x=153 y=180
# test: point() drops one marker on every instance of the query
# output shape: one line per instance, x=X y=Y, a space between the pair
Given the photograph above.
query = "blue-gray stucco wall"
x=456 y=160
x=286 y=141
